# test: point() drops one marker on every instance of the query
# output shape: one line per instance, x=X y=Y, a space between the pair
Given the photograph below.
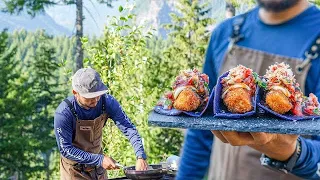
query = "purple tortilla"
x=290 y=117
x=220 y=110
x=175 y=112
x=168 y=112
x=199 y=114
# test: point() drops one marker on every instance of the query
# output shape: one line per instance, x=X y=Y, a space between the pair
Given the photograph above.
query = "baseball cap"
x=88 y=84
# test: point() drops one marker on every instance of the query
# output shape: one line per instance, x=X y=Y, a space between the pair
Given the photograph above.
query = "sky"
x=94 y=21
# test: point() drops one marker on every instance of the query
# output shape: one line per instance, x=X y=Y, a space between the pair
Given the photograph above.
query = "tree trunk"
x=79 y=34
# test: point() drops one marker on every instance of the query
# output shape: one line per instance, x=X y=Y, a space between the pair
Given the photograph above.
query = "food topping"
x=239 y=77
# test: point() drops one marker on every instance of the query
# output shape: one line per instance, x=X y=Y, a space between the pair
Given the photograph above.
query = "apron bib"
x=242 y=163
x=88 y=137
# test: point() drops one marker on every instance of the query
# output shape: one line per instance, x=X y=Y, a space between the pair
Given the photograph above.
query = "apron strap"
x=236 y=27
x=71 y=108
x=104 y=109
x=103 y=104
x=75 y=113
x=310 y=55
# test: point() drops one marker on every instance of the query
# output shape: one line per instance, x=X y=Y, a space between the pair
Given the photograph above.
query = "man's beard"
x=277 y=5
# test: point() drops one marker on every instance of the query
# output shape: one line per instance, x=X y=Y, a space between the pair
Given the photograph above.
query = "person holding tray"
x=276 y=31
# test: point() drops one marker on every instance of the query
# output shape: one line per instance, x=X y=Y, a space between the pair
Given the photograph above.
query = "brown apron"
x=88 y=137
x=242 y=163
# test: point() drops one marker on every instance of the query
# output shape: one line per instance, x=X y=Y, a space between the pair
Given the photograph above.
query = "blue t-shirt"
x=291 y=39
x=65 y=126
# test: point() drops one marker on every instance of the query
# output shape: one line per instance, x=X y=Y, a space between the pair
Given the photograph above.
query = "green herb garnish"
x=316 y=111
x=261 y=83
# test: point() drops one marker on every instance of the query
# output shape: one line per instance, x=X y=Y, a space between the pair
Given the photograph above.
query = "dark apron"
x=242 y=163
x=88 y=137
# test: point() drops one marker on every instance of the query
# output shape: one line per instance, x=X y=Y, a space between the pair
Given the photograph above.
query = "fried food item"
x=283 y=92
x=278 y=102
x=238 y=100
x=238 y=90
x=187 y=100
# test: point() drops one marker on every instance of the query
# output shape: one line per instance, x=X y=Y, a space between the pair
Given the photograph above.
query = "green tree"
x=122 y=57
x=317 y=2
x=30 y=91
x=237 y=3
x=15 y=106
x=47 y=94
x=188 y=40
x=33 y=7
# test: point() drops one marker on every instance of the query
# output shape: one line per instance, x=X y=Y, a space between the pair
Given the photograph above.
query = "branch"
x=91 y=16
x=95 y=8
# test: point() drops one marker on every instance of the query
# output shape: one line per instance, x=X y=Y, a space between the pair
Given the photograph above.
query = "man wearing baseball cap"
x=78 y=123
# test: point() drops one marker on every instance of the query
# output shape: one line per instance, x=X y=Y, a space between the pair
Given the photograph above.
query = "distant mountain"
x=24 y=21
x=155 y=13
x=61 y=19
x=152 y=12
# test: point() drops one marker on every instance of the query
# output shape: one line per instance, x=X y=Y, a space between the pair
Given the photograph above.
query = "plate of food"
x=270 y=103
x=190 y=95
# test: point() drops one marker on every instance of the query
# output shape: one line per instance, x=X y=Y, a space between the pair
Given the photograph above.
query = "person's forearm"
x=136 y=142
x=82 y=157
x=131 y=133
x=68 y=151
x=123 y=122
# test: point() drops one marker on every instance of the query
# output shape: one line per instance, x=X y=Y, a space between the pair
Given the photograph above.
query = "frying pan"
x=154 y=172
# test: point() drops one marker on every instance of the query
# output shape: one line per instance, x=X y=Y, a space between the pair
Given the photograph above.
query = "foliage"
x=10 y=140
x=34 y=7
x=238 y=3
x=317 y=2
x=123 y=59
x=28 y=42
x=188 y=38
x=30 y=92
x=250 y=3
x=136 y=65
x=47 y=93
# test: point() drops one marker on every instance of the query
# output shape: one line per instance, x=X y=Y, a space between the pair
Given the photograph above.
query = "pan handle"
x=119 y=165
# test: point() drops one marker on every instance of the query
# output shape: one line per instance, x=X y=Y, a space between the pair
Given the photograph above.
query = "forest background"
x=137 y=61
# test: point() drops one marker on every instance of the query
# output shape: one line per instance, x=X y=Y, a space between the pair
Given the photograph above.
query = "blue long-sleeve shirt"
x=65 y=126
x=291 y=39
x=308 y=164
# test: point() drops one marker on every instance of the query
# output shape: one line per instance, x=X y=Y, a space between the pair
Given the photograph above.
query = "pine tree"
x=47 y=95
x=30 y=90
x=34 y=7
x=15 y=156
x=188 y=39
x=188 y=33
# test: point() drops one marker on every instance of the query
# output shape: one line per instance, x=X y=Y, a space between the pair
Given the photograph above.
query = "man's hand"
x=109 y=163
x=275 y=146
x=141 y=165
